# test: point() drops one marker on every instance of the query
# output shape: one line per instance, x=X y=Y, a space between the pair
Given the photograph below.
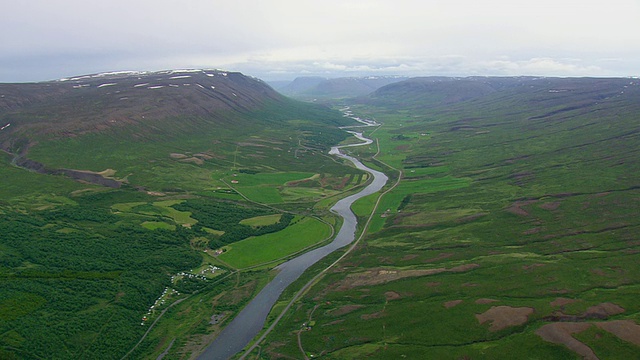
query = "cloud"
x=415 y=37
x=540 y=66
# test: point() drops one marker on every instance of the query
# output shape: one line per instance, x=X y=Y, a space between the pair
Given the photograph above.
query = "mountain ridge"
x=102 y=116
x=90 y=103
x=422 y=92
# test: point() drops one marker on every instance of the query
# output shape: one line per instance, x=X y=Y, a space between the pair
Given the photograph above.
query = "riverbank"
x=244 y=327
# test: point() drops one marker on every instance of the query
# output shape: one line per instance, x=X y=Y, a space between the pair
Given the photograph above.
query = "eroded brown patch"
x=517 y=207
x=205 y=156
x=626 y=330
x=452 y=303
x=550 y=206
x=600 y=311
x=502 y=317
x=603 y=311
x=560 y=333
x=375 y=315
x=392 y=295
x=344 y=310
x=193 y=160
x=463 y=268
x=485 y=301
x=376 y=277
x=381 y=276
x=409 y=257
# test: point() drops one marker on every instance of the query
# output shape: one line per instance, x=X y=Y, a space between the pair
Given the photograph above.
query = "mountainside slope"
x=429 y=92
x=513 y=231
x=131 y=120
x=138 y=182
x=92 y=103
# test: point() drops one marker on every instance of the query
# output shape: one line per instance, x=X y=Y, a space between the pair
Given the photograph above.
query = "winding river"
x=244 y=327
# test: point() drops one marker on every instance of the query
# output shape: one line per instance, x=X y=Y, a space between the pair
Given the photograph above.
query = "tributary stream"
x=251 y=319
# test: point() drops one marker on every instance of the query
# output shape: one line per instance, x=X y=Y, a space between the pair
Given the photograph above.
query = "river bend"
x=248 y=323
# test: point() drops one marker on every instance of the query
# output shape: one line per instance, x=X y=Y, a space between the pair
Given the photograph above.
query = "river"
x=244 y=327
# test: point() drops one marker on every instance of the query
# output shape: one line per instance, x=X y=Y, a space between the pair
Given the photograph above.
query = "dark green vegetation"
x=515 y=226
x=131 y=191
x=76 y=283
x=226 y=218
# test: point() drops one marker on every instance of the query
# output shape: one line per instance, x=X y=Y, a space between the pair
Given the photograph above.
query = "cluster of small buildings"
x=168 y=291
x=159 y=302
x=187 y=275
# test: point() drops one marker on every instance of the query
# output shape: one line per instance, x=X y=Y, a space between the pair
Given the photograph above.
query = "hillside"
x=49 y=127
x=429 y=92
x=120 y=191
x=94 y=103
x=513 y=231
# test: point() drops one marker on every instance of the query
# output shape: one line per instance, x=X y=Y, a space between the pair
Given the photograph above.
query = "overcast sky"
x=282 y=39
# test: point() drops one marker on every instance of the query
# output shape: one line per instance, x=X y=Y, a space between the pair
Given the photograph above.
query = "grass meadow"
x=304 y=232
x=504 y=208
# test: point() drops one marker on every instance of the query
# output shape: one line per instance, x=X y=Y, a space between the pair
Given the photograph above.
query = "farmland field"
x=304 y=232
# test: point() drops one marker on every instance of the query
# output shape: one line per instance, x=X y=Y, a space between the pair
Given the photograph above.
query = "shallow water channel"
x=251 y=319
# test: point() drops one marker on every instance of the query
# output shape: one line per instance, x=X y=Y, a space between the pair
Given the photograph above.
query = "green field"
x=261 y=220
x=153 y=225
x=256 y=250
x=281 y=188
x=162 y=209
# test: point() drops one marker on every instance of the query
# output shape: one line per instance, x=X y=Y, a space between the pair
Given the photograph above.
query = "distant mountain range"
x=310 y=88
x=424 y=92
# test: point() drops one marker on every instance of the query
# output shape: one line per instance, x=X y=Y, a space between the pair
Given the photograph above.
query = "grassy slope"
x=86 y=263
x=544 y=207
x=173 y=156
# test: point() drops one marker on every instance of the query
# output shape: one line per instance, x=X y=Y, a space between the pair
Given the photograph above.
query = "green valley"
x=513 y=229
x=140 y=213
x=87 y=270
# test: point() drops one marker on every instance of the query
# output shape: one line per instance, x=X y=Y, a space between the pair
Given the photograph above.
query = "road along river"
x=251 y=319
